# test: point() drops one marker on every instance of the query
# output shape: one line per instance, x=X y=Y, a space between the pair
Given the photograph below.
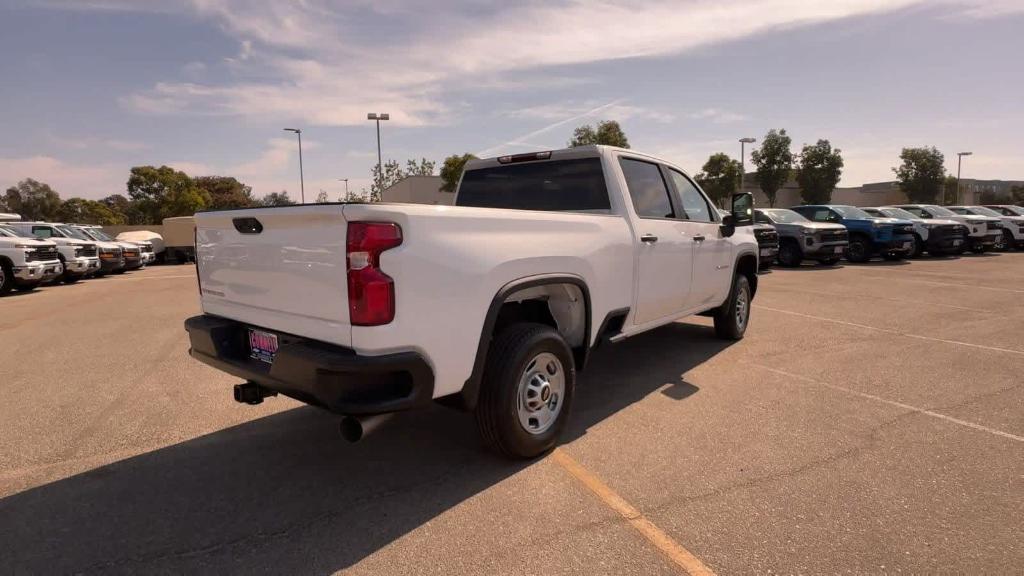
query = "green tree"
x=118 y=204
x=322 y=197
x=774 y=161
x=33 y=200
x=422 y=168
x=225 y=192
x=921 y=174
x=1017 y=194
x=451 y=170
x=157 y=192
x=83 y=211
x=277 y=199
x=819 y=171
x=608 y=132
x=949 y=190
x=720 y=177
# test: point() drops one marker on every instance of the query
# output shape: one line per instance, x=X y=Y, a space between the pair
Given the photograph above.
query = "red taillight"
x=371 y=293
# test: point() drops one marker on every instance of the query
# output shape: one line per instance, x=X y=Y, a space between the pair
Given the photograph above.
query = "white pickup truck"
x=492 y=305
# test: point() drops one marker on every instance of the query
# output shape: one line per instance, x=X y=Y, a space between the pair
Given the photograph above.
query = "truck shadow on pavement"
x=285 y=494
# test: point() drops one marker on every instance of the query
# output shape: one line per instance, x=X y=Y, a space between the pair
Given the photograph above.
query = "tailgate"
x=281 y=268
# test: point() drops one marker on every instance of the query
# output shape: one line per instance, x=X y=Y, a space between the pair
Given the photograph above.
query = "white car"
x=983 y=232
x=1013 y=225
x=26 y=262
x=130 y=251
x=939 y=236
x=79 y=257
x=492 y=305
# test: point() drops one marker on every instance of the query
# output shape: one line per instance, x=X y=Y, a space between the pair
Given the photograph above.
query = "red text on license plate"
x=262 y=345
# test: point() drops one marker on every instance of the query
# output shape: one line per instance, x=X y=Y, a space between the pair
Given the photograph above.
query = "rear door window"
x=557 y=185
x=647 y=189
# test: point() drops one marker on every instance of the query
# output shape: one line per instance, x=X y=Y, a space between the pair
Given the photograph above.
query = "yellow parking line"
x=672 y=550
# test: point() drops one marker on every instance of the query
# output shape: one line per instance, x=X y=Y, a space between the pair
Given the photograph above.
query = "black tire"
x=727 y=317
x=859 y=249
x=509 y=359
x=829 y=261
x=6 y=278
x=790 y=254
x=917 y=249
x=1005 y=242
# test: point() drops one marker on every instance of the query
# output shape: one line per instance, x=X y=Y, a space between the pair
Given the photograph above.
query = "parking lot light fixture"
x=302 y=179
x=959 y=158
x=380 y=168
x=743 y=159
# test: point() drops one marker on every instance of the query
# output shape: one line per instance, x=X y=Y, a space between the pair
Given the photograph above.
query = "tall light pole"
x=743 y=160
x=302 y=179
x=959 y=157
x=345 y=180
x=380 y=168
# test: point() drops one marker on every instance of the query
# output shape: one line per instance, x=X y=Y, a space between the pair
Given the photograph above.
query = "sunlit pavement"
x=871 y=421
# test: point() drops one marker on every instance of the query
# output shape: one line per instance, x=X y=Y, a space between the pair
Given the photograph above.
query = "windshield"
x=899 y=213
x=98 y=234
x=1012 y=210
x=852 y=212
x=73 y=233
x=7 y=233
x=940 y=211
x=985 y=211
x=559 y=185
x=782 y=216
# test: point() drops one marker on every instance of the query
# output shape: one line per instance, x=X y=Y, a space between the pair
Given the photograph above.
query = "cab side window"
x=695 y=207
x=823 y=215
x=918 y=212
x=42 y=231
x=647 y=189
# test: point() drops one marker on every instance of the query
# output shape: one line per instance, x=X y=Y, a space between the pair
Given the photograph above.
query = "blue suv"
x=891 y=238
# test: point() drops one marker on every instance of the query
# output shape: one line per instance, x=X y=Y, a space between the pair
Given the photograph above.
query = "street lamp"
x=380 y=168
x=345 y=180
x=743 y=159
x=302 y=179
x=959 y=157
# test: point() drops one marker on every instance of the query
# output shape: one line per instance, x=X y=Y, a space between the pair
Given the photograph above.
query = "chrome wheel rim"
x=540 y=394
x=742 y=308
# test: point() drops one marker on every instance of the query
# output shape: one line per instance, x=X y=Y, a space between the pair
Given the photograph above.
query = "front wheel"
x=731 y=318
x=1004 y=242
x=6 y=278
x=858 y=250
x=790 y=255
x=526 y=392
x=917 y=248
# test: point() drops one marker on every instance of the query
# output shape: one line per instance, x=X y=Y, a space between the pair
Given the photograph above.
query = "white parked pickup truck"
x=492 y=305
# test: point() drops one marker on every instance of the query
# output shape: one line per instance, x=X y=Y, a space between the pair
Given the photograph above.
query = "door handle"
x=698 y=238
x=649 y=238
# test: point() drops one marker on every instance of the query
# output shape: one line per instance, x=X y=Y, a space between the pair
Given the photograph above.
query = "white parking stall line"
x=952 y=284
x=894 y=332
x=902 y=405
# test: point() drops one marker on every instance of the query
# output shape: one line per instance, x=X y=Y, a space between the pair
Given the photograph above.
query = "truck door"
x=663 y=245
x=712 y=252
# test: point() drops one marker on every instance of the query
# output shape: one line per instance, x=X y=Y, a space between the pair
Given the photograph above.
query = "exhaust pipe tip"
x=355 y=428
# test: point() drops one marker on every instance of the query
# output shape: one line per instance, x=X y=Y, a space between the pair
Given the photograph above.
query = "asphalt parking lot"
x=871 y=421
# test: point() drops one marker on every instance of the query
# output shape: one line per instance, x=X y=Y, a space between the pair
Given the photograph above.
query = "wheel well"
x=6 y=261
x=562 y=302
x=747 y=265
x=860 y=236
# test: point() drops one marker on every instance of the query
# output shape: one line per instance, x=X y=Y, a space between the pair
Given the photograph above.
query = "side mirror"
x=728 y=226
x=743 y=209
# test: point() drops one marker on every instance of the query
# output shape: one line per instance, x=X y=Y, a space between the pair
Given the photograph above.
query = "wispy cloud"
x=527 y=139
x=717 y=116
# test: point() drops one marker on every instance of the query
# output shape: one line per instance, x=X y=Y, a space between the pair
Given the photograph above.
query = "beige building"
x=418 y=190
x=876 y=193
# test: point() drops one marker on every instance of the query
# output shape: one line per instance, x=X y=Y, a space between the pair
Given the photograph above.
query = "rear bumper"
x=314 y=372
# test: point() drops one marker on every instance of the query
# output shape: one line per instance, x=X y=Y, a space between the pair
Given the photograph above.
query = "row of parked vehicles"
x=828 y=232
x=36 y=253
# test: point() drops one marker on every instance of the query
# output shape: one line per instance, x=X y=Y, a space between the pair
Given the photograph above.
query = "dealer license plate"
x=907 y=245
x=839 y=249
x=262 y=345
x=957 y=242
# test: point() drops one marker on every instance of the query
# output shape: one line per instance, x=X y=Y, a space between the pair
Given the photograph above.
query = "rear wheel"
x=859 y=250
x=731 y=318
x=527 y=391
x=6 y=278
x=790 y=254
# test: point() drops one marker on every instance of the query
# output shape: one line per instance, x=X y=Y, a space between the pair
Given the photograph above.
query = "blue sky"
x=93 y=87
